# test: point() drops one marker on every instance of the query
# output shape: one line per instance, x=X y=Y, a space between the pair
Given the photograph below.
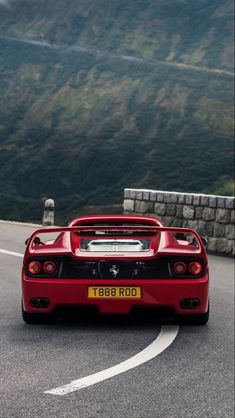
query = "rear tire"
x=195 y=319
x=36 y=318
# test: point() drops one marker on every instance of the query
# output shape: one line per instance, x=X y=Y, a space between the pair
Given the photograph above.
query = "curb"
x=19 y=223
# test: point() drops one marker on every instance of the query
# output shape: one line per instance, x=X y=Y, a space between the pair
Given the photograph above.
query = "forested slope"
x=95 y=97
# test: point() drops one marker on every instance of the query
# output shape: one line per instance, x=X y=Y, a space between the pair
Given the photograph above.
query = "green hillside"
x=189 y=31
x=116 y=110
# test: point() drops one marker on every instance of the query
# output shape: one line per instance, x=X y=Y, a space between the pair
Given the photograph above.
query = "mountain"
x=98 y=95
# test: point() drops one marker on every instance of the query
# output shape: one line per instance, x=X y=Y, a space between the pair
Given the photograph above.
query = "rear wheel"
x=36 y=318
x=195 y=319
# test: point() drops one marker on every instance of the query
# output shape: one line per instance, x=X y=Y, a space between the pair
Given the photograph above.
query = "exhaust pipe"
x=195 y=303
x=189 y=303
x=40 y=302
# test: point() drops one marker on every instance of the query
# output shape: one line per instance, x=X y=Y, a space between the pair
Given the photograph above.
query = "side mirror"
x=36 y=241
x=204 y=241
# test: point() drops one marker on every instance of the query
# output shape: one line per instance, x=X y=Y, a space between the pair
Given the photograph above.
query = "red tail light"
x=179 y=267
x=34 y=267
x=195 y=268
x=49 y=267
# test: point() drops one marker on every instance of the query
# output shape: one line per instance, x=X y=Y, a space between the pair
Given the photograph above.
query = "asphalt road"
x=193 y=377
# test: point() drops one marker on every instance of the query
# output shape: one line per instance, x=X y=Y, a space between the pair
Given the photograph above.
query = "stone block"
x=222 y=244
x=230 y=232
x=212 y=245
x=232 y=217
x=141 y=207
x=199 y=212
x=153 y=196
x=160 y=209
x=139 y=195
x=185 y=224
x=193 y=225
x=188 y=199
x=230 y=202
x=188 y=212
x=221 y=202
x=170 y=209
x=179 y=211
x=230 y=248
x=196 y=200
x=177 y=222
x=204 y=200
x=208 y=214
x=146 y=195
x=133 y=194
x=174 y=197
x=127 y=194
x=212 y=201
x=181 y=198
x=150 y=207
x=129 y=205
x=160 y=197
x=210 y=229
x=168 y=220
x=219 y=230
x=167 y=198
x=222 y=216
x=201 y=228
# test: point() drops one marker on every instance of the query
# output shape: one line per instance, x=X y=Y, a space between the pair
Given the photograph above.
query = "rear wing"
x=168 y=241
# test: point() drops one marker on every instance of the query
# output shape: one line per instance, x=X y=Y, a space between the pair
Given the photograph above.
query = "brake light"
x=49 y=267
x=34 y=267
x=179 y=267
x=195 y=268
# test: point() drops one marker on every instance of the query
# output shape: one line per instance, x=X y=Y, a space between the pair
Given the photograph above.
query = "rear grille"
x=107 y=269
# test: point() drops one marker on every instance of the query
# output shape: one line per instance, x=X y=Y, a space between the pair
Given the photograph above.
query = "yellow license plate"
x=113 y=292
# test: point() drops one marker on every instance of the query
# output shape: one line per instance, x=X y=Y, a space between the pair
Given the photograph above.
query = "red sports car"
x=115 y=263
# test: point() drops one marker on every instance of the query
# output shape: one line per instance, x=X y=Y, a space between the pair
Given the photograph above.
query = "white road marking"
x=20 y=223
x=11 y=253
x=163 y=340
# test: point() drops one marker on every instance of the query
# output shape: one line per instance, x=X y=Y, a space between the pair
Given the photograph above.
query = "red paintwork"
x=159 y=293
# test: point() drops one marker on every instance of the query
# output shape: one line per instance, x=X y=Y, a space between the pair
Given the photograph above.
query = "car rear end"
x=116 y=268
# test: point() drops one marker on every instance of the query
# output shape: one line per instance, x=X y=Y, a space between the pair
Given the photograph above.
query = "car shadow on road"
x=137 y=318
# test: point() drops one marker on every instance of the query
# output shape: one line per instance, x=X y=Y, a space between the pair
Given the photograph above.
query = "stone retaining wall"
x=213 y=216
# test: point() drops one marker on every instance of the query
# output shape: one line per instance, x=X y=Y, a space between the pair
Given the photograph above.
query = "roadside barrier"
x=49 y=213
x=209 y=215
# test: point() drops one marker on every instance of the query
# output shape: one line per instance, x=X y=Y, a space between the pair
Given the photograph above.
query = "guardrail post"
x=49 y=212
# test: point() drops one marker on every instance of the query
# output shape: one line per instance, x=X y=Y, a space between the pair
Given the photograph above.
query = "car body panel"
x=167 y=291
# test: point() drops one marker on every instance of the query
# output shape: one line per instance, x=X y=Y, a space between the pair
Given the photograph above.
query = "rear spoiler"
x=35 y=240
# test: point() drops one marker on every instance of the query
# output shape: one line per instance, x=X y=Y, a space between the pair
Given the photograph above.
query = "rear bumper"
x=154 y=293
